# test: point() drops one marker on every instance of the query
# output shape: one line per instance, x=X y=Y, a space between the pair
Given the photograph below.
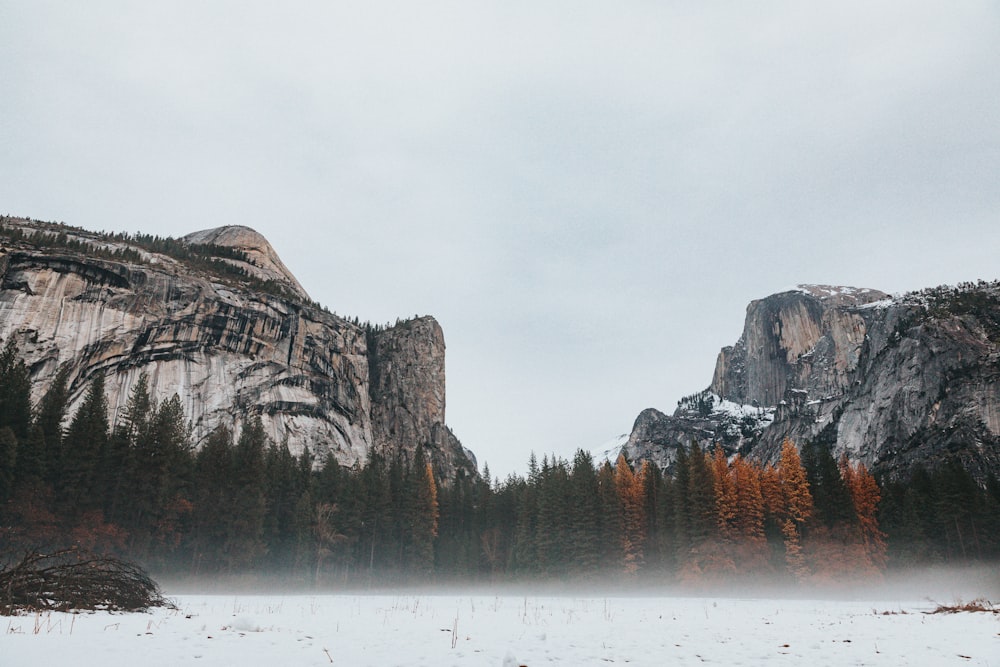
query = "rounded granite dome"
x=264 y=261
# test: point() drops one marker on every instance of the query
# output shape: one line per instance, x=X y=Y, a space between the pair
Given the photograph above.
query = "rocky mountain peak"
x=889 y=381
x=259 y=258
x=808 y=336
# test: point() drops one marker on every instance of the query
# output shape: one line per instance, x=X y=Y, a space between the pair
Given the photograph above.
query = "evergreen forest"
x=246 y=505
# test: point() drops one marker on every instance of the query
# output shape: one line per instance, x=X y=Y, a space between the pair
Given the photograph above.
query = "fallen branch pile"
x=73 y=579
x=978 y=605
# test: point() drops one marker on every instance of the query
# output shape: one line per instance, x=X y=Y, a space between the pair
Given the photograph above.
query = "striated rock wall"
x=228 y=351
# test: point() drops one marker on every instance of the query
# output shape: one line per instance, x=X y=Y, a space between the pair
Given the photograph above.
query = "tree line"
x=243 y=504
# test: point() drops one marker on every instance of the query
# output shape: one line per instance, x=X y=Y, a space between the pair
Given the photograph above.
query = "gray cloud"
x=586 y=196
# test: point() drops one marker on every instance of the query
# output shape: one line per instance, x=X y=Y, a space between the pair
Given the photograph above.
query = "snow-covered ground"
x=504 y=630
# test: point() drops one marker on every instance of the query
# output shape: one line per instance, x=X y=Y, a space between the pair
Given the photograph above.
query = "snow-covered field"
x=504 y=630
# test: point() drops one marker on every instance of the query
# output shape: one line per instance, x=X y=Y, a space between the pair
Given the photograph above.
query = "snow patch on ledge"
x=830 y=291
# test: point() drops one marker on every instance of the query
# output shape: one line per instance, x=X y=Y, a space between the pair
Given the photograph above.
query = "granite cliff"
x=890 y=381
x=217 y=318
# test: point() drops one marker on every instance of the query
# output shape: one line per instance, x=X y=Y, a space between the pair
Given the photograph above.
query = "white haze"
x=586 y=195
x=592 y=624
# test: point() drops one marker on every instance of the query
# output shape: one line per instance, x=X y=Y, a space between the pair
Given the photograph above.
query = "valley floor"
x=504 y=630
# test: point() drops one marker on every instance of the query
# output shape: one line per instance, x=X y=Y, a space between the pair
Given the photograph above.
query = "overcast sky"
x=585 y=195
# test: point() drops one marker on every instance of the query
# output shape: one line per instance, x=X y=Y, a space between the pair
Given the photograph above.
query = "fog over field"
x=254 y=623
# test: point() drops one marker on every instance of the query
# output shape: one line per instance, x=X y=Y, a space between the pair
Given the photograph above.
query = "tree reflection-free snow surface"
x=505 y=630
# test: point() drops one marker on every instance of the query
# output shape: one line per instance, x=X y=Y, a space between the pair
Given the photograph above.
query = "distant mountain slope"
x=217 y=318
x=891 y=381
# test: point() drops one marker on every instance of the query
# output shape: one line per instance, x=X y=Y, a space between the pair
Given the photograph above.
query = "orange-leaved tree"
x=631 y=491
x=797 y=507
x=726 y=497
x=865 y=495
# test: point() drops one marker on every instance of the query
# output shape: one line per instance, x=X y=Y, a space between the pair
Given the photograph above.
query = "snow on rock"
x=863 y=294
x=609 y=450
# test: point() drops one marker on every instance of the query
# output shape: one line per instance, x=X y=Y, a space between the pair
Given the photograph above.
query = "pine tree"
x=84 y=451
x=525 y=543
x=702 y=524
x=553 y=516
x=466 y=542
x=371 y=512
x=156 y=468
x=664 y=535
x=15 y=392
x=128 y=441
x=956 y=499
x=31 y=465
x=681 y=521
x=48 y=424
x=327 y=536
x=584 y=514
x=909 y=517
x=15 y=417
x=830 y=496
x=304 y=517
x=612 y=514
x=214 y=494
x=283 y=490
x=246 y=513
x=8 y=462
x=499 y=517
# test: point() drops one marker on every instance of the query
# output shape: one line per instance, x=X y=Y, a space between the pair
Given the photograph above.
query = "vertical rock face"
x=228 y=349
x=406 y=367
x=809 y=337
x=891 y=382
